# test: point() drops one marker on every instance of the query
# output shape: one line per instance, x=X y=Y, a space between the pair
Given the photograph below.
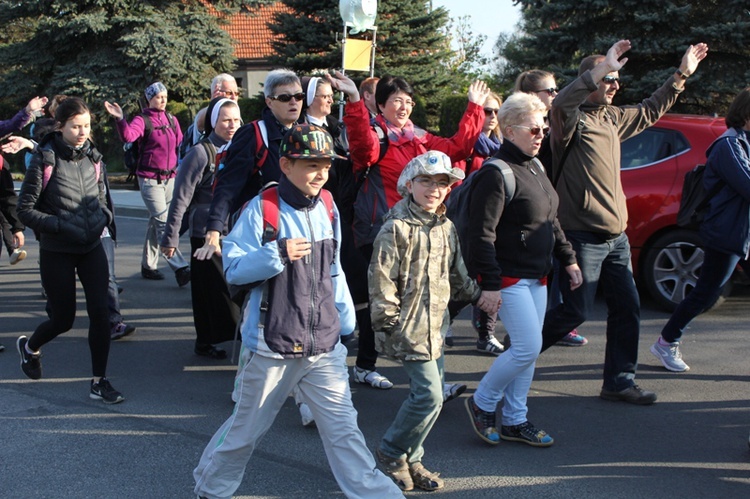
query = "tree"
x=558 y=34
x=113 y=49
x=411 y=43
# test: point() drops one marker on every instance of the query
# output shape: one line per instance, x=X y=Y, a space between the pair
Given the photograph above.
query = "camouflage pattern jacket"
x=416 y=268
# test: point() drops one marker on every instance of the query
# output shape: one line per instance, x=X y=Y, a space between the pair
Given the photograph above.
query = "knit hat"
x=429 y=163
x=308 y=142
x=154 y=89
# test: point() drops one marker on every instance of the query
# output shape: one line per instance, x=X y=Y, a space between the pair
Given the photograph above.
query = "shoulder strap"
x=148 y=127
x=211 y=154
x=327 y=199
x=48 y=166
x=269 y=207
x=573 y=140
x=509 y=178
x=261 y=144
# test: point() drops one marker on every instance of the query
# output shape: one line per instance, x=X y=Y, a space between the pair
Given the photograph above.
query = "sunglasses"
x=287 y=97
x=551 y=90
x=230 y=92
x=611 y=79
x=534 y=130
x=491 y=110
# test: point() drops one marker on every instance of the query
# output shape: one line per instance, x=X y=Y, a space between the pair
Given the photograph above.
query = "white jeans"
x=264 y=385
x=156 y=197
x=509 y=377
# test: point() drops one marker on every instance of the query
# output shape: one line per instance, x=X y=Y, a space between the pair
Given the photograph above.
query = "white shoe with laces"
x=670 y=356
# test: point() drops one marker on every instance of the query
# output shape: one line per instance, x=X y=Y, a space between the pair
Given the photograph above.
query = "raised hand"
x=693 y=56
x=114 y=110
x=614 y=58
x=343 y=83
x=478 y=92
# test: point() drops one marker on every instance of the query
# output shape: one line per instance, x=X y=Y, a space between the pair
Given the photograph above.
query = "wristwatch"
x=681 y=75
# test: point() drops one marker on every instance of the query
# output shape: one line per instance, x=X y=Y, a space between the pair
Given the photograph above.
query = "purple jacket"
x=15 y=124
x=160 y=152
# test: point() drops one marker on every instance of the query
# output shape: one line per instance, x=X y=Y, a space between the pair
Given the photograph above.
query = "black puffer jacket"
x=71 y=212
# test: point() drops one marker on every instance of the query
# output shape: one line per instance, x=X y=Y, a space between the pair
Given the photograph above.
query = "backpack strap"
x=509 y=178
x=383 y=149
x=211 y=154
x=261 y=144
x=48 y=166
x=269 y=207
x=327 y=199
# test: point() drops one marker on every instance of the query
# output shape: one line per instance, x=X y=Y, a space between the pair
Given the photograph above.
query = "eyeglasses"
x=534 y=130
x=398 y=101
x=611 y=79
x=325 y=96
x=430 y=183
x=230 y=92
x=491 y=110
x=551 y=90
x=287 y=97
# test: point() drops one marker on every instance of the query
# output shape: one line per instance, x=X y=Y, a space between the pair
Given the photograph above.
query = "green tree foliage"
x=411 y=43
x=557 y=34
x=113 y=49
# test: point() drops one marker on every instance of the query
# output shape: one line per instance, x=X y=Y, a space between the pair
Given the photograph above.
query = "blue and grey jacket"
x=309 y=304
x=726 y=226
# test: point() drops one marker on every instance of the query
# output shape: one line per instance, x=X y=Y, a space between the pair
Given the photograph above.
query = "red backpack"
x=269 y=206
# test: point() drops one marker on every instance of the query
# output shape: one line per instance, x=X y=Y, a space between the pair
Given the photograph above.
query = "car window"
x=651 y=146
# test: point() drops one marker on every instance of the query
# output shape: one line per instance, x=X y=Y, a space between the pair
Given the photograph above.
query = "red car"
x=666 y=258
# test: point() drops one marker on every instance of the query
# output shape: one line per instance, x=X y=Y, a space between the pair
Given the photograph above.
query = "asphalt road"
x=57 y=443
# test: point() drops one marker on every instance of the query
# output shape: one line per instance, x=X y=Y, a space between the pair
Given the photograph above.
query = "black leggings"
x=58 y=271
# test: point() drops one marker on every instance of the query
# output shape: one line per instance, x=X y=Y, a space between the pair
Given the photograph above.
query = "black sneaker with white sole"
x=30 y=363
x=104 y=391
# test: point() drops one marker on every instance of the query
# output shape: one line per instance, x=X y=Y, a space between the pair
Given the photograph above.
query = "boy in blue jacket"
x=293 y=318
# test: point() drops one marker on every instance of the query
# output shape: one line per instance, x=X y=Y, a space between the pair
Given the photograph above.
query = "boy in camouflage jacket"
x=416 y=268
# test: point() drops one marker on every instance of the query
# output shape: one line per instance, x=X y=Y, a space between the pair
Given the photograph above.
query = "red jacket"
x=378 y=192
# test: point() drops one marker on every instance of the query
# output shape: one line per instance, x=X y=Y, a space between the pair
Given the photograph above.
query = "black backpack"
x=458 y=202
x=695 y=199
x=133 y=150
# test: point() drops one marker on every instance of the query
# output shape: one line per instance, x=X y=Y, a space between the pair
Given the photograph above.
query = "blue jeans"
x=606 y=261
x=716 y=270
x=510 y=375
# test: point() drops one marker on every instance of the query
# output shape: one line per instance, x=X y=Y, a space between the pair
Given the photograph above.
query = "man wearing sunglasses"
x=586 y=131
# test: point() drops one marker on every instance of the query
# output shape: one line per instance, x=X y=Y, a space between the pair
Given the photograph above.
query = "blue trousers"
x=606 y=261
x=716 y=270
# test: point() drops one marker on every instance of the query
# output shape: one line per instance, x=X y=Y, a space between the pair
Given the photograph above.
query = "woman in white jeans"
x=510 y=252
x=158 y=135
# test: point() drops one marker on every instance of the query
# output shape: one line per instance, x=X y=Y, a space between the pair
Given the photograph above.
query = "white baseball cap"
x=429 y=163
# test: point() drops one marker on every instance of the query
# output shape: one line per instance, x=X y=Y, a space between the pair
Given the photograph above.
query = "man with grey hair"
x=223 y=85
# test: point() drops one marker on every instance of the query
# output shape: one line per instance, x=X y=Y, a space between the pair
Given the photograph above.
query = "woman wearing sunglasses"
x=510 y=253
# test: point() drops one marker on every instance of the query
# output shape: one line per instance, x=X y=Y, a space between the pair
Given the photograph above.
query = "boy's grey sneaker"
x=490 y=345
x=30 y=363
x=632 y=395
x=670 y=356
x=104 y=391
x=526 y=433
x=372 y=378
x=483 y=422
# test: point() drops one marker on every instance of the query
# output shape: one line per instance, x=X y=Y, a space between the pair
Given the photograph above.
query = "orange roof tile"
x=252 y=38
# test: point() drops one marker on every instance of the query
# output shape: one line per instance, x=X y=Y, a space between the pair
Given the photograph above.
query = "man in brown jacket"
x=592 y=209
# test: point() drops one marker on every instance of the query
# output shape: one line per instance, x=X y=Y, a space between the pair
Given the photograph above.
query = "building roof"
x=250 y=32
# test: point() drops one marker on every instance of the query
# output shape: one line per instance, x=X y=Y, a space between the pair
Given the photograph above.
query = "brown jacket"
x=590 y=190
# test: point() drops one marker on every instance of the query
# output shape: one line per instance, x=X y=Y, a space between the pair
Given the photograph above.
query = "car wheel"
x=672 y=266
